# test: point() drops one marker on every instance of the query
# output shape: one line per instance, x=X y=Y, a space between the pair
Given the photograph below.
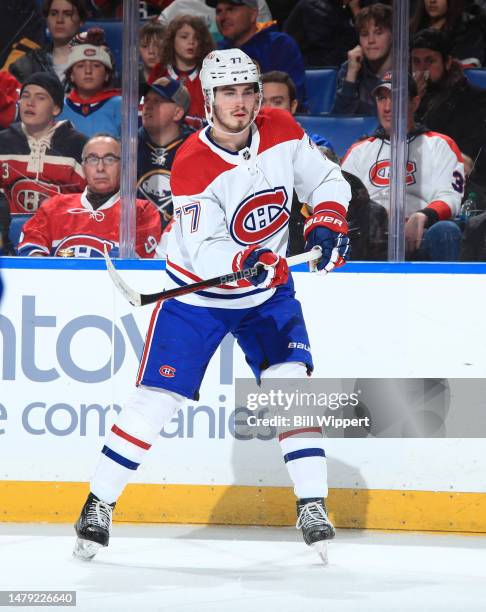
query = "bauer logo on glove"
x=327 y=228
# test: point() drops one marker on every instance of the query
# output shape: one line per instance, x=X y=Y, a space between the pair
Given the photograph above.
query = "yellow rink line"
x=59 y=502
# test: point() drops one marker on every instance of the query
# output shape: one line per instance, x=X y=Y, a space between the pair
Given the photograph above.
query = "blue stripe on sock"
x=304 y=452
x=131 y=465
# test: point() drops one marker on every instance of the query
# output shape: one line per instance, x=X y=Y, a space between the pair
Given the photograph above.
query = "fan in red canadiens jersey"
x=231 y=185
x=434 y=178
x=81 y=224
x=39 y=156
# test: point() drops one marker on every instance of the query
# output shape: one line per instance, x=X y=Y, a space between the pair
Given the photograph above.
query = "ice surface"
x=248 y=569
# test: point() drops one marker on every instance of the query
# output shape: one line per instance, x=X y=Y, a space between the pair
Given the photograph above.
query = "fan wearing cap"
x=93 y=105
x=40 y=156
x=449 y=103
x=269 y=48
x=166 y=103
x=434 y=178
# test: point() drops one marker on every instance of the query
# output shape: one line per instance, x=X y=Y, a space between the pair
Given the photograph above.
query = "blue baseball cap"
x=172 y=90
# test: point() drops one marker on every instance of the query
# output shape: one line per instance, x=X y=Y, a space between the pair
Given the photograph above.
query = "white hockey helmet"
x=227 y=67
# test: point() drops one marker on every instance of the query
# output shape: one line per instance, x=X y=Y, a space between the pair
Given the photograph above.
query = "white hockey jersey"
x=225 y=201
x=434 y=177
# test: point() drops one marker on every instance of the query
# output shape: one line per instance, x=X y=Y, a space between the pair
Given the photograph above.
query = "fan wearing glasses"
x=79 y=225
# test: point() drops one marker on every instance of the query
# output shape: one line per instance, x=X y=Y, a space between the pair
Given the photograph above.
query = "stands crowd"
x=327 y=62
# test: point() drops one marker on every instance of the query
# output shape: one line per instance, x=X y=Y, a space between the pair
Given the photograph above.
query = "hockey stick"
x=141 y=299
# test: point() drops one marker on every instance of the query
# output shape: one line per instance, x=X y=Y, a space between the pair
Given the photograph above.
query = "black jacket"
x=37 y=60
x=324 y=30
x=21 y=28
x=458 y=109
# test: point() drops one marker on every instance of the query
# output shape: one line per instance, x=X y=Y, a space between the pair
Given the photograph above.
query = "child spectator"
x=82 y=223
x=464 y=23
x=324 y=30
x=40 y=156
x=186 y=43
x=150 y=37
x=367 y=62
x=64 y=19
x=93 y=105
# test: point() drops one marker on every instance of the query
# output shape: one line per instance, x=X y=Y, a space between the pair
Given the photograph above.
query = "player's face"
x=383 y=99
x=89 y=77
x=158 y=112
x=436 y=9
x=234 y=107
x=276 y=95
x=101 y=177
x=375 y=41
x=235 y=22
x=37 y=108
x=186 y=44
x=63 y=21
x=150 y=52
x=426 y=60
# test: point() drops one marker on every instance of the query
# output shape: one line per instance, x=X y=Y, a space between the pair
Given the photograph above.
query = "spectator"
x=92 y=105
x=40 y=157
x=150 y=37
x=186 y=43
x=9 y=96
x=279 y=92
x=465 y=26
x=81 y=224
x=64 y=19
x=198 y=8
x=367 y=62
x=269 y=48
x=449 y=103
x=166 y=103
x=324 y=30
x=434 y=181
x=21 y=29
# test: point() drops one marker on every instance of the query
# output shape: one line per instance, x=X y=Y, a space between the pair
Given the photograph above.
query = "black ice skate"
x=316 y=527
x=92 y=528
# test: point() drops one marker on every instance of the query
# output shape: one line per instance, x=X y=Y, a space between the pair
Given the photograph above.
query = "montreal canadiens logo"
x=380 y=173
x=84 y=246
x=28 y=194
x=167 y=371
x=260 y=216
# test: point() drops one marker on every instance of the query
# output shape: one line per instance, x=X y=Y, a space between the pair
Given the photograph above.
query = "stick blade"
x=132 y=296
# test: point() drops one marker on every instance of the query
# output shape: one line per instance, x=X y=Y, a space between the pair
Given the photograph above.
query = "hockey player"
x=231 y=184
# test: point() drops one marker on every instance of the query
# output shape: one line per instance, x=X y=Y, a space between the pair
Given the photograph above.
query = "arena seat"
x=16 y=225
x=476 y=76
x=113 y=35
x=341 y=131
x=320 y=85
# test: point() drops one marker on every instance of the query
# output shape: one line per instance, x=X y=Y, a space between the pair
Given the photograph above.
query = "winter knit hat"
x=91 y=46
x=50 y=83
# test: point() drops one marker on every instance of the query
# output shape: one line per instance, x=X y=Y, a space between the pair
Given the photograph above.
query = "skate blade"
x=85 y=550
x=321 y=550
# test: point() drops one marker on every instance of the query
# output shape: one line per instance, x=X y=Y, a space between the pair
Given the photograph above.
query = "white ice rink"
x=249 y=569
